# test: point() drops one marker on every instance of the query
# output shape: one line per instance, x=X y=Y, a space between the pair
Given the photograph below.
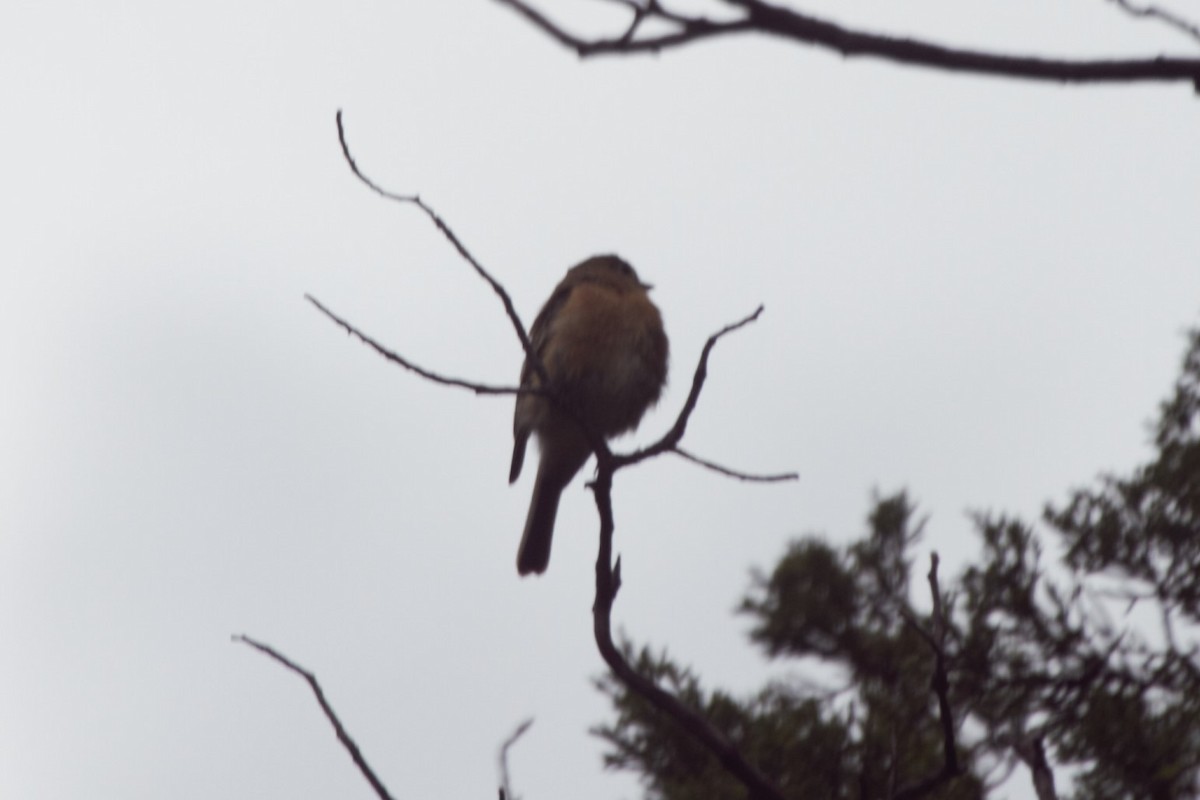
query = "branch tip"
x=343 y=736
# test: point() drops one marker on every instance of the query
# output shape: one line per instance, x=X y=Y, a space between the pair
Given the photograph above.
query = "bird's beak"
x=647 y=286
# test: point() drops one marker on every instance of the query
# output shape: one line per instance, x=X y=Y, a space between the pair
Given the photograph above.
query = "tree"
x=1038 y=662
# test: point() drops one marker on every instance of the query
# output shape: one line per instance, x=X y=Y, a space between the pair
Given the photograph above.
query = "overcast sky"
x=974 y=288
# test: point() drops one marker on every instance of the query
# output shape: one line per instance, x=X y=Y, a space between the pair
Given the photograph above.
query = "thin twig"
x=774 y=20
x=396 y=358
x=691 y=29
x=505 y=787
x=343 y=737
x=741 y=476
x=1162 y=15
x=414 y=199
x=672 y=437
x=638 y=11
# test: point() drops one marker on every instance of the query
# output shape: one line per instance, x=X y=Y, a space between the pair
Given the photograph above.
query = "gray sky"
x=974 y=288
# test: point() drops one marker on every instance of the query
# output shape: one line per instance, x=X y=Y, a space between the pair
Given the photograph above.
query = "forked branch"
x=775 y=20
x=448 y=232
x=1169 y=18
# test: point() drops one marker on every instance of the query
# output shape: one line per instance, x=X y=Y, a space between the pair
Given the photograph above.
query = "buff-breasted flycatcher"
x=602 y=344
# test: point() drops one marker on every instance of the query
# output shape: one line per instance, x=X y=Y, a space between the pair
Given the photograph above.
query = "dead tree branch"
x=343 y=737
x=773 y=20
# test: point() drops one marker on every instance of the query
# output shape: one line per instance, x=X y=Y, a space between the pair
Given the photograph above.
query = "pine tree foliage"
x=847 y=607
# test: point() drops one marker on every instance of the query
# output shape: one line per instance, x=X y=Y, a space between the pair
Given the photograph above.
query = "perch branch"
x=608 y=576
x=343 y=737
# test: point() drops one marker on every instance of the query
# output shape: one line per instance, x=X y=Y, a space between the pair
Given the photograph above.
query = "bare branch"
x=343 y=737
x=671 y=439
x=690 y=29
x=505 y=787
x=547 y=388
x=741 y=476
x=1162 y=15
x=773 y=20
x=640 y=12
x=396 y=358
x=509 y=308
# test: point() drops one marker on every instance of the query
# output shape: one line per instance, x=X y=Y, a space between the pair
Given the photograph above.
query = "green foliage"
x=1093 y=665
x=789 y=737
x=845 y=607
x=1139 y=728
x=1146 y=527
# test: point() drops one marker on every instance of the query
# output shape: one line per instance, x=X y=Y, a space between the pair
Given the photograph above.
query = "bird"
x=602 y=344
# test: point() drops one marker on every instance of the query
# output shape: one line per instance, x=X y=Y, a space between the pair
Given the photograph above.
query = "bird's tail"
x=534 y=552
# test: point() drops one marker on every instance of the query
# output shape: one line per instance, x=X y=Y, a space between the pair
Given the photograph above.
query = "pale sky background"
x=974 y=288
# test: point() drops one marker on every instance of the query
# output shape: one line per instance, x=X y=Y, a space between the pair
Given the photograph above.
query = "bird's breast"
x=608 y=353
